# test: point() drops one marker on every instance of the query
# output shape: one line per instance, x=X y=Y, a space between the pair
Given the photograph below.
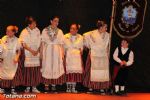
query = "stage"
x=83 y=96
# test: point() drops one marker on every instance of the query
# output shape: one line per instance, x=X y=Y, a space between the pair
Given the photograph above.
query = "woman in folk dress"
x=30 y=39
x=97 y=66
x=10 y=72
x=73 y=55
x=53 y=72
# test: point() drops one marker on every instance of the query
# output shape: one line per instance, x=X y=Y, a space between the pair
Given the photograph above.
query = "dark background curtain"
x=86 y=13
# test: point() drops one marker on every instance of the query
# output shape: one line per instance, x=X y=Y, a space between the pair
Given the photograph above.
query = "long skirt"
x=17 y=78
x=121 y=76
x=90 y=84
x=31 y=76
x=59 y=81
x=74 y=77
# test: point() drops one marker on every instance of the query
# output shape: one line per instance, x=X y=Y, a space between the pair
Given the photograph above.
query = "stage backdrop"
x=86 y=13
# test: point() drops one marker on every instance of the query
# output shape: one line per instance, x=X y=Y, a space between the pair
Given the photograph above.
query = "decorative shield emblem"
x=129 y=17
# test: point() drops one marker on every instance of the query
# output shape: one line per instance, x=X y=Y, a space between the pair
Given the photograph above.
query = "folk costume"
x=10 y=72
x=31 y=70
x=73 y=61
x=121 y=72
x=96 y=74
x=53 y=71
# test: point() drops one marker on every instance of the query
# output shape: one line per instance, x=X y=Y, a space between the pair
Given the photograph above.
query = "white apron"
x=32 y=39
x=73 y=46
x=52 y=62
x=99 y=56
x=8 y=68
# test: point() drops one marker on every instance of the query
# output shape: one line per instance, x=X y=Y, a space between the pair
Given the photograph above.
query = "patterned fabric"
x=52 y=60
x=10 y=48
x=98 y=44
x=17 y=79
x=32 y=39
x=74 y=77
x=59 y=81
x=73 y=49
x=87 y=81
x=31 y=76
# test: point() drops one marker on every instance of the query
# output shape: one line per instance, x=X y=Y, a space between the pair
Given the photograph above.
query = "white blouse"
x=73 y=48
x=33 y=39
x=124 y=50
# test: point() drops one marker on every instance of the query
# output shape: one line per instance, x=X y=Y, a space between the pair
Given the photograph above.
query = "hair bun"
x=13 y=28
x=79 y=26
x=16 y=29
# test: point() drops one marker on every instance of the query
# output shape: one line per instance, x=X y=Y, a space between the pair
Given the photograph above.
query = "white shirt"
x=124 y=50
x=33 y=39
x=9 y=47
x=73 y=47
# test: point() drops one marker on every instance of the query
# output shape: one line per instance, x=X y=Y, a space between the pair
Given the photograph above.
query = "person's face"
x=103 y=28
x=124 y=44
x=9 y=31
x=73 y=29
x=55 y=22
x=32 y=25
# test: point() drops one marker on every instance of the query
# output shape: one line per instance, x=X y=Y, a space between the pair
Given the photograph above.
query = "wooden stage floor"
x=83 y=96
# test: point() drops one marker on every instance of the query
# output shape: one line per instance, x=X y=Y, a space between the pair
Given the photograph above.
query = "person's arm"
x=86 y=44
x=104 y=47
x=42 y=44
x=23 y=39
x=16 y=59
x=18 y=52
x=62 y=43
x=39 y=41
x=41 y=49
x=63 y=51
x=130 y=60
x=106 y=40
x=34 y=53
x=115 y=56
x=81 y=45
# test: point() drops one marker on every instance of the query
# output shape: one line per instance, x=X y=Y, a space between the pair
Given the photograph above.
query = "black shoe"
x=46 y=89
x=103 y=92
x=89 y=91
x=123 y=92
x=54 y=90
x=118 y=93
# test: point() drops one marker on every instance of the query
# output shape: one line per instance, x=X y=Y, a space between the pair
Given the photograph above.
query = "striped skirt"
x=17 y=78
x=31 y=76
x=61 y=80
x=74 y=77
x=90 y=84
